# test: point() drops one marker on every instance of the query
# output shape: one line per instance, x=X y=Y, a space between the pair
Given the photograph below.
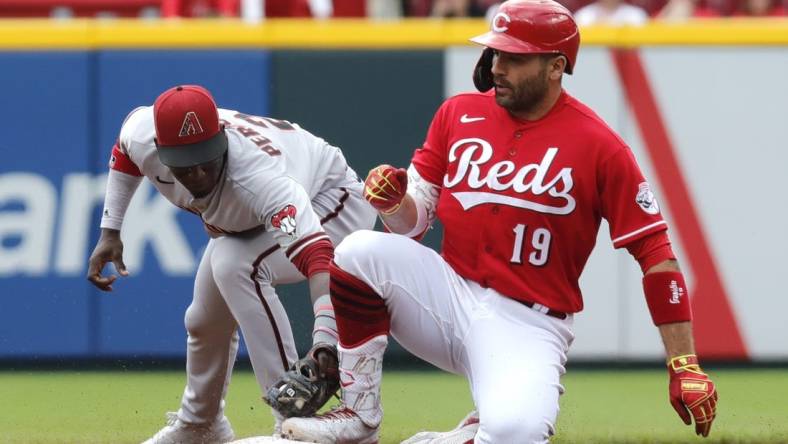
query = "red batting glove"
x=691 y=389
x=385 y=188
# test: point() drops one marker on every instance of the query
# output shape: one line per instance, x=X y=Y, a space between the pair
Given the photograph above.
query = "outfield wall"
x=705 y=120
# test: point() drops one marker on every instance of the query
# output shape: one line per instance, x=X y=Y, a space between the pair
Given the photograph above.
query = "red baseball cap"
x=188 y=132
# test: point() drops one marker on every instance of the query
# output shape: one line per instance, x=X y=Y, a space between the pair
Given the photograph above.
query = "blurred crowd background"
x=611 y=12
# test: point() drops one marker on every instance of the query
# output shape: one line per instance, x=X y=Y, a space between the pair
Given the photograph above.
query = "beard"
x=525 y=96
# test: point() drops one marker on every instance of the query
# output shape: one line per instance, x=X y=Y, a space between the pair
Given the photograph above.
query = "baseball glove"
x=308 y=385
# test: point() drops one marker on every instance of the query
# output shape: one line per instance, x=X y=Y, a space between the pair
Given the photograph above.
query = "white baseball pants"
x=512 y=355
x=235 y=286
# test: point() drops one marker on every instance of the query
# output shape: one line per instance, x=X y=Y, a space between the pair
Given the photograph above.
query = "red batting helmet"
x=533 y=26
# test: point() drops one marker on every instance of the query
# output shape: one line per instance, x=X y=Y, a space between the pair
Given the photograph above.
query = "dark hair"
x=549 y=56
x=545 y=59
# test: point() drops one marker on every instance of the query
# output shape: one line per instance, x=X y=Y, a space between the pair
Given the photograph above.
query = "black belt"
x=550 y=312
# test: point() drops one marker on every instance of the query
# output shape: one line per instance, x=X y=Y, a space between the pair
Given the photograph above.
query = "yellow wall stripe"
x=411 y=33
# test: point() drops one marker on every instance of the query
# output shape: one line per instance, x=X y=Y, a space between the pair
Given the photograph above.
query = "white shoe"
x=464 y=433
x=338 y=426
x=179 y=432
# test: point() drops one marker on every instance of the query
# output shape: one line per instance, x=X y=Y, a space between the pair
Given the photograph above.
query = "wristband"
x=682 y=363
x=667 y=297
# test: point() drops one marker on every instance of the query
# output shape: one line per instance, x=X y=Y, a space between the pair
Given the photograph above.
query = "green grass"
x=599 y=406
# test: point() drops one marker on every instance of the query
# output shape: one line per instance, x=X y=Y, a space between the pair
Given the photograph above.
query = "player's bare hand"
x=385 y=188
x=109 y=248
x=692 y=394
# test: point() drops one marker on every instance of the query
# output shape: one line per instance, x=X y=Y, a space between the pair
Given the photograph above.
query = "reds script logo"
x=191 y=125
x=475 y=153
x=285 y=220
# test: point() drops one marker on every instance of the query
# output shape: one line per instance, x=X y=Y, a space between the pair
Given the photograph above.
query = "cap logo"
x=191 y=125
x=500 y=22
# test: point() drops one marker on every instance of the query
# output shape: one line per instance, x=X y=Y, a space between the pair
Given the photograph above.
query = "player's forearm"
x=324 y=330
x=668 y=265
x=318 y=285
x=120 y=190
x=677 y=338
x=404 y=219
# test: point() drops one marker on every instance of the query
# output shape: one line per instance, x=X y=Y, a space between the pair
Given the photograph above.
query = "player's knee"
x=195 y=321
x=225 y=263
x=357 y=245
x=514 y=427
x=362 y=246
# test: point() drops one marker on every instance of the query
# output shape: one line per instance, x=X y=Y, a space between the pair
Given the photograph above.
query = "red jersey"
x=521 y=201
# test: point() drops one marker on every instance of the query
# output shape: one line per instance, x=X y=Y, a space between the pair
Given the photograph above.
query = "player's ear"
x=556 y=67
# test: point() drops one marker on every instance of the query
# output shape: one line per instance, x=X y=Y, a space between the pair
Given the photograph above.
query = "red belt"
x=549 y=312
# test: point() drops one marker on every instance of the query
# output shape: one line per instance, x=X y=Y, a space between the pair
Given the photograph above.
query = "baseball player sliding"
x=274 y=200
x=520 y=175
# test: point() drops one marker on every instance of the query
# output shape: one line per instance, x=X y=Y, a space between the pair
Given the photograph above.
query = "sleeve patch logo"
x=646 y=200
x=285 y=220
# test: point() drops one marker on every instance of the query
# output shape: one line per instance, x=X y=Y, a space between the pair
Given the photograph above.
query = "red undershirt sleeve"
x=651 y=250
x=312 y=254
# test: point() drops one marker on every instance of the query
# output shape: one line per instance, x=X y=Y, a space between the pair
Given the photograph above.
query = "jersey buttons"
x=495 y=209
x=517 y=135
x=488 y=249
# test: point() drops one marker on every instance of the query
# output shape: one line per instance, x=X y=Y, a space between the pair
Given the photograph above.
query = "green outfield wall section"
x=374 y=105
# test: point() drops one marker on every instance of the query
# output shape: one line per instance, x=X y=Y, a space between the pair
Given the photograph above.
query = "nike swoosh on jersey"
x=160 y=180
x=465 y=119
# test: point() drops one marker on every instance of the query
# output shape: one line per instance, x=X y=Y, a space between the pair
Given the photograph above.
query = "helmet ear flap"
x=482 y=73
